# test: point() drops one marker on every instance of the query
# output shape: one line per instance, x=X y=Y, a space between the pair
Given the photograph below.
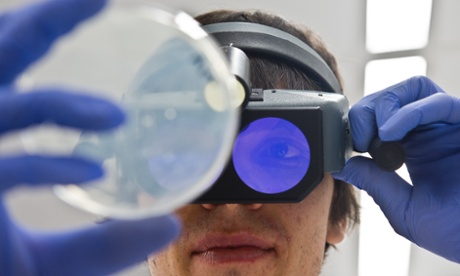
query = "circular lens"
x=271 y=155
x=174 y=84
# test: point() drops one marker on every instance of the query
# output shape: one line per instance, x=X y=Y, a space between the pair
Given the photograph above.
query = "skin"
x=253 y=239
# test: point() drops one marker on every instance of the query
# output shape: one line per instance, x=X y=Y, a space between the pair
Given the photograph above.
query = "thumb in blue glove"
x=427 y=122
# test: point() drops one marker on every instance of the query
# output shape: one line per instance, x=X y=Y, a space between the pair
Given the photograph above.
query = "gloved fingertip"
x=171 y=222
x=352 y=171
x=81 y=110
x=73 y=170
x=109 y=114
x=150 y=235
x=388 y=132
x=160 y=231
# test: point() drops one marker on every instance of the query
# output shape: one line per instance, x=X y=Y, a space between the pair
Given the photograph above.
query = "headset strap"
x=258 y=38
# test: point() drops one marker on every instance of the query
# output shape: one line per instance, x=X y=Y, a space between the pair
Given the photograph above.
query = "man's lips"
x=225 y=248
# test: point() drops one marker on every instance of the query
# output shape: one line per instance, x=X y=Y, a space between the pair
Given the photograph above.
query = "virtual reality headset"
x=288 y=139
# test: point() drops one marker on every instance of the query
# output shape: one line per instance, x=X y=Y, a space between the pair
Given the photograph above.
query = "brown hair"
x=268 y=72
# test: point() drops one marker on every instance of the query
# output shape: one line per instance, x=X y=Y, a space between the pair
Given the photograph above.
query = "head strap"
x=262 y=39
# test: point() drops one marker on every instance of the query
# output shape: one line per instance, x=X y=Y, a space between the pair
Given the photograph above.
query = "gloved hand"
x=25 y=35
x=427 y=122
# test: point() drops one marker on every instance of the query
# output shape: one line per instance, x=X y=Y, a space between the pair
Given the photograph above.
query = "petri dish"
x=179 y=96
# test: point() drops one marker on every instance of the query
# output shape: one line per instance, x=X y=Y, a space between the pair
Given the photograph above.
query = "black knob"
x=389 y=156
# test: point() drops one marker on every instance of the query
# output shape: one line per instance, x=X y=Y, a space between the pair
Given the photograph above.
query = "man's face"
x=253 y=239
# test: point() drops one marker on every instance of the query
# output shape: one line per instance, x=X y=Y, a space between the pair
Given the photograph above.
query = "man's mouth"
x=225 y=248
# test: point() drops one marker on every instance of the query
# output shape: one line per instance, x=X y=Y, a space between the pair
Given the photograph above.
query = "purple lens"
x=271 y=155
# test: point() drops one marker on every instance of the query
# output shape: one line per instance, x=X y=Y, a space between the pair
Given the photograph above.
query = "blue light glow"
x=271 y=155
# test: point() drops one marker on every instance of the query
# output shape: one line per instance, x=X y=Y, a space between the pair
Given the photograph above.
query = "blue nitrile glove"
x=25 y=35
x=427 y=121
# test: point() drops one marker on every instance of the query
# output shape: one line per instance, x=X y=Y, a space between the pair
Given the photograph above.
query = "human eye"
x=280 y=152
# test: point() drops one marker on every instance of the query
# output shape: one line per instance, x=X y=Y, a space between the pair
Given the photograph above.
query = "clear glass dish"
x=179 y=97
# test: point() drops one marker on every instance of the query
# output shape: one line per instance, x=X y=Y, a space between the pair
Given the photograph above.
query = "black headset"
x=322 y=116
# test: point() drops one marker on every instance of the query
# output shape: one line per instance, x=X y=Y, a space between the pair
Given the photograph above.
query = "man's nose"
x=233 y=206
